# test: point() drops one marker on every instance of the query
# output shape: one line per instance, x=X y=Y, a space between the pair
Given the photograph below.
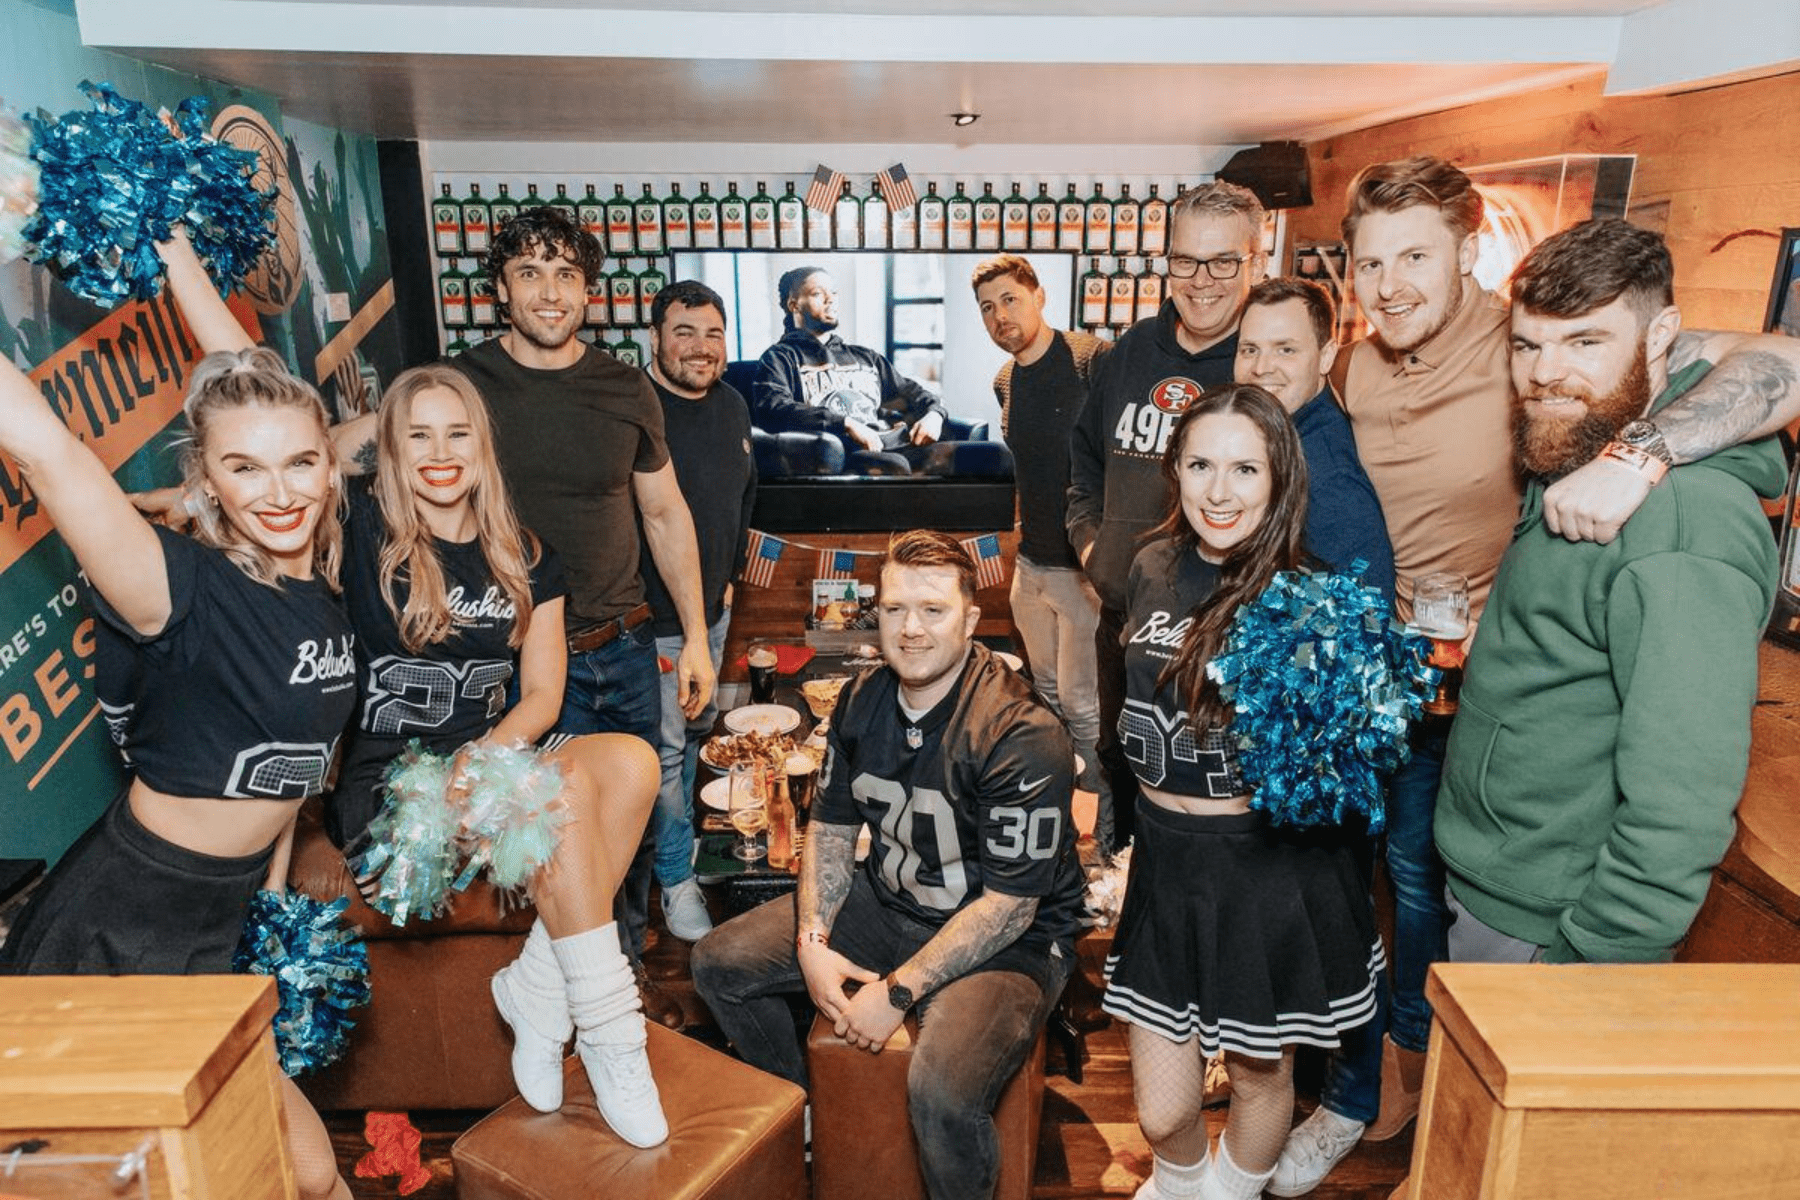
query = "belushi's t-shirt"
x=569 y=442
x=444 y=692
x=974 y=796
x=242 y=694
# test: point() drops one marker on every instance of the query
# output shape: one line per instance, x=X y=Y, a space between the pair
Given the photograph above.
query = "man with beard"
x=813 y=381
x=1116 y=488
x=1604 y=731
x=1041 y=391
x=707 y=426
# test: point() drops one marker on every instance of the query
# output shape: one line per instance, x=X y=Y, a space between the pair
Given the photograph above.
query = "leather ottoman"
x=861 y=1131
x=735 y=1133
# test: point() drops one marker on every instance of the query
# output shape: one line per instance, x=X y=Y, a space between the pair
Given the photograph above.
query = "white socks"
x=608 y=1014
x=1228 y=1181
x=1172 y=1181
x=531 y=998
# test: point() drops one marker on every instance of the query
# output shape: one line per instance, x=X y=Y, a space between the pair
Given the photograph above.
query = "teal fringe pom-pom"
x=321 y=972
x=114 y=180
x=413 y=854
x=1325 y=684
x=514 y=820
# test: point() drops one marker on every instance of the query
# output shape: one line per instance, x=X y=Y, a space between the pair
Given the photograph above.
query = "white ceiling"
x=1041 y=72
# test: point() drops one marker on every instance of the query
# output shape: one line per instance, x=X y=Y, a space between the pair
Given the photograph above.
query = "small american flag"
x=897 y=187
x=765 y=552
x=822 y=193
x=837 y=564
x=990 y=567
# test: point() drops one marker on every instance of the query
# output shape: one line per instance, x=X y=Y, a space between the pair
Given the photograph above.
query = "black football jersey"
x=242 y=694
x=974 y=796
x=449 y=691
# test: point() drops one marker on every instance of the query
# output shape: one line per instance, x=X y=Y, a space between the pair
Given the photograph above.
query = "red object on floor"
x=788 y=658
x=396 y=1151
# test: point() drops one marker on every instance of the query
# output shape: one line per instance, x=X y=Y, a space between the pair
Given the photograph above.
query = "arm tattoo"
x=825 y=872
x=365 y=458
x=1733 y=401
x=987 y=926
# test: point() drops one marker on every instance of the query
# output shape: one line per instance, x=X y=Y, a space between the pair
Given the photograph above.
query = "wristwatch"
x=1645 y=436
x=900 y=997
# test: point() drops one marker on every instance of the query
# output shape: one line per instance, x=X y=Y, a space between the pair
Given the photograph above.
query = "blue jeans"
x=974 y=1032
x=1353 y=1079
x=614 y=690
x=1056 y=610
x=678 y=748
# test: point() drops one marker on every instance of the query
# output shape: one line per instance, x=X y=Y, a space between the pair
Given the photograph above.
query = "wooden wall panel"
x=1717 y=170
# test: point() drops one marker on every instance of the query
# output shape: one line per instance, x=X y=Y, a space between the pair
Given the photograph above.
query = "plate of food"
x=766 y=719
x=728 y=750
x=821 y=695
x=717 y=794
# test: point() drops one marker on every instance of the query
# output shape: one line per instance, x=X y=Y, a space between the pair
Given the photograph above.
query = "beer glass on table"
x=749 y=808
x=762 y=660
x=1441 y=613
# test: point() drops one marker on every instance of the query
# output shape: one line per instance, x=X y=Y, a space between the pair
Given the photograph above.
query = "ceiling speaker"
x=1275 y=171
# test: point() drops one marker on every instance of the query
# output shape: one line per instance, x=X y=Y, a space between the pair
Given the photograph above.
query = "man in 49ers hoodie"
x=1116 y=489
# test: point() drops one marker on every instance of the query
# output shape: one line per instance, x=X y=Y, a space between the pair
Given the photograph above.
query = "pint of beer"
x=1441 y=613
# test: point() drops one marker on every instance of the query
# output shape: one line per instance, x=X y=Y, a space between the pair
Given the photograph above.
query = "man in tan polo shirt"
x=1429 y=394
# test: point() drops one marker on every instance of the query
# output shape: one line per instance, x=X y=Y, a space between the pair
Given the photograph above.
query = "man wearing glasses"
x=1116 y=489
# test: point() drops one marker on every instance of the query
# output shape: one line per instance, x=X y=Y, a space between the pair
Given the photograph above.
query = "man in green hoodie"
x=1604 y=730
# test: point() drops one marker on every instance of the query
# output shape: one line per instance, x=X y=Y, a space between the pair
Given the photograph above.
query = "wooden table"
x=1611 y=1083
x=182 y=1067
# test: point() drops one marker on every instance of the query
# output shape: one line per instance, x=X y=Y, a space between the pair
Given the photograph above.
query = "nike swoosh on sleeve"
x=1032 y=785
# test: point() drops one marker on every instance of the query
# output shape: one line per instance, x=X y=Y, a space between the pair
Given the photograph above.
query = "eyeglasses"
x=1224 y=267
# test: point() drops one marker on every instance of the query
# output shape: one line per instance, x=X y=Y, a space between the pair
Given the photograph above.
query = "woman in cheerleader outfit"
x=1235 y=936
x=457 y=610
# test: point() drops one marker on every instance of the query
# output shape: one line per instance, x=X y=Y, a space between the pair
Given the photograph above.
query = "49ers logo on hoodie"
x=1144 y=428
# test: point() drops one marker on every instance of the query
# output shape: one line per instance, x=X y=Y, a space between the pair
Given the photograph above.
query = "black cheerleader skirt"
x=123 y=901
x=1247 y=937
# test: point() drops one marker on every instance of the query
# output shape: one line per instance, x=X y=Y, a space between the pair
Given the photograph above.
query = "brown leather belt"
x=592 y=637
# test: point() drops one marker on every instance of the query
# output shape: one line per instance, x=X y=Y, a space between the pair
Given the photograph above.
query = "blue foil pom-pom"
x=114 y=180
x=321 y=972
x=1325 y=684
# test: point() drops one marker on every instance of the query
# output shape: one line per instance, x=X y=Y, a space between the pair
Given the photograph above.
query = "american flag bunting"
x=765 y=552
x=990 y=567
x=836 y=564
x=824 y=189
x=897 y=187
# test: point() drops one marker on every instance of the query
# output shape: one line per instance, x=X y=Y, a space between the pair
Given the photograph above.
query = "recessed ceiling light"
x=959 y=119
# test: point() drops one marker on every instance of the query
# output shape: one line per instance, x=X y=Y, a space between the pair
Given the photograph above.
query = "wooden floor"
x=1089 y=1143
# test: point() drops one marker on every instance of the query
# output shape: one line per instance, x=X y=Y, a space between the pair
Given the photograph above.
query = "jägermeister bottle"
x=482 y=311
x=453 y=297
x=818 y=228
x=987 y=219
x=790 y=220
x=564 y=201
x=592 y=214
x=846 y=220
x=477 y=221
x=503 y=209
x=627 y=351
x=621 y=223
x=903 y=227
x=1149 y=291
x=1069 y=215
x=1043 y=219
x=875 y=218
x=1099 y=223
x=446 y=223
x=1153 y=226
x=1093 y=296
x=1015 y=221
x=1126 y=212
x=762 y=218
x=734 y=220
x=1121 y=299
x=959 y=220
x=932 y=219
x=457 y=346
x=647 y=219
x=678 y=220
x=532 y=199
x=622 y=289
x=649 y=282
x=704 y=214
x=598 y=311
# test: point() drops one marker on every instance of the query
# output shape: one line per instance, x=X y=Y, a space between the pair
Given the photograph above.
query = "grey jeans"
x=1473 y=941
x=974 y=1032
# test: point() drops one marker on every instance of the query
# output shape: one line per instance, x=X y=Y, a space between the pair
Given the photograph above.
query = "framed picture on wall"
x=1784 y=293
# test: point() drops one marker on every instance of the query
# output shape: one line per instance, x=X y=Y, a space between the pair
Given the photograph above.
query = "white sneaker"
x=1313 y=1148
x=541 y=1029
x=624 y=1090
x=684 y=910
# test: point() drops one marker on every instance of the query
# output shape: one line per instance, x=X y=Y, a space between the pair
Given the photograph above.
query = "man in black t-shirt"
x=1041 y=391
x=708 y=428
x=966 y=905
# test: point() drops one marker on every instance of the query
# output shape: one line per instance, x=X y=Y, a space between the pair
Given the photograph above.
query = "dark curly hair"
x=545 y=231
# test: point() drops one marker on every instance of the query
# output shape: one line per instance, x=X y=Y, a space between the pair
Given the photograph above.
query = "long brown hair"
x=1277 y=544
x=254 y=378
x=410 y=550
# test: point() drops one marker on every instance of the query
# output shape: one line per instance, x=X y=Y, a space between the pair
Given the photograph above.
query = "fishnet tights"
x=315 y=1166
x=610 y=786
x=1168 y=1083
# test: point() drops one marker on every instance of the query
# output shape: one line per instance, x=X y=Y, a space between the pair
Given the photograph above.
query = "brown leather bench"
x=862 y=1134
x=735 y=1133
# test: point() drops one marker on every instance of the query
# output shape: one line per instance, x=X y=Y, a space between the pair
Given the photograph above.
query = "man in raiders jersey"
x=965 y=908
